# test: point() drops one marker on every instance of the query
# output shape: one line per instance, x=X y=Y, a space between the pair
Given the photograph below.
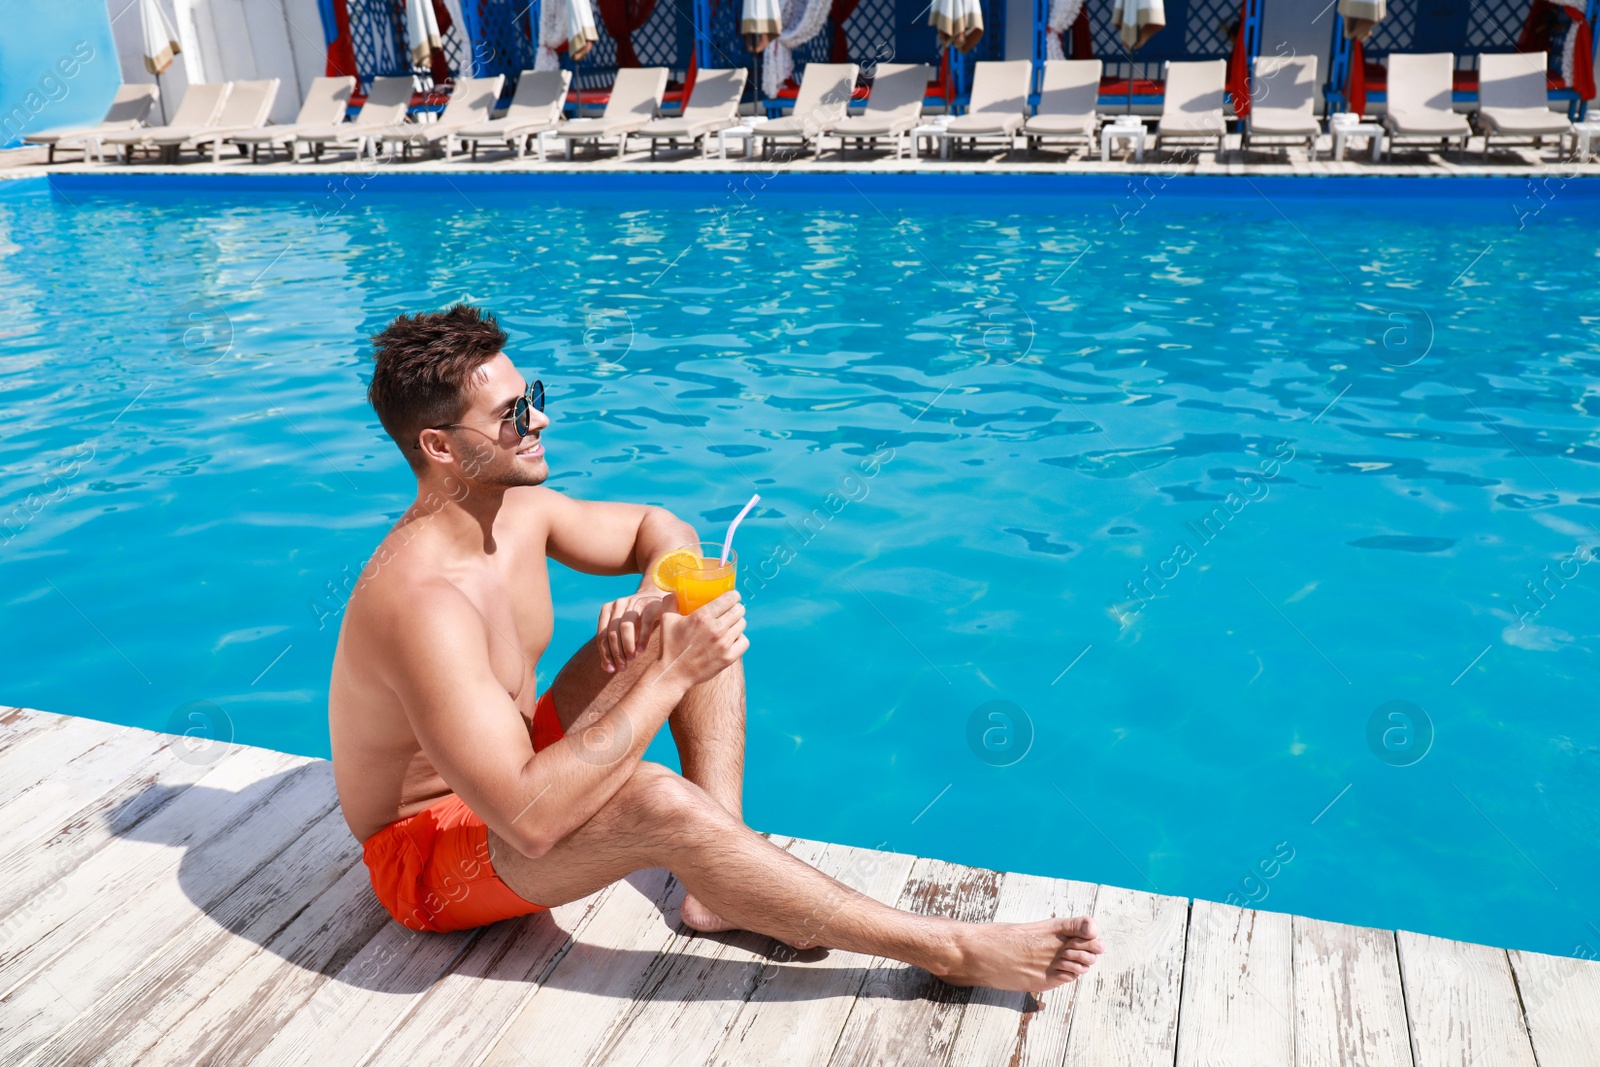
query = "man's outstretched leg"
x=707 y=726
x=659 y=819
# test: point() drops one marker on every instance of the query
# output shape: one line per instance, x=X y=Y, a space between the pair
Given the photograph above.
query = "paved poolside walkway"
x=168 y=906
x=1513 y=161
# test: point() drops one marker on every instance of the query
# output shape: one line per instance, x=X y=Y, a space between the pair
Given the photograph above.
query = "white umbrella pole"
x=161 y=98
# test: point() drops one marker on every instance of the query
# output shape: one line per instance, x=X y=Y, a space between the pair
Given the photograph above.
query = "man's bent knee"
x=657 y=796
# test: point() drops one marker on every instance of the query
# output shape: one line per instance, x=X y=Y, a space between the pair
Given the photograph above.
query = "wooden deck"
x=161 y=910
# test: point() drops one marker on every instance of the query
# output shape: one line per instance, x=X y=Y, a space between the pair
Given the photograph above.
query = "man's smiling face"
x=491 y=451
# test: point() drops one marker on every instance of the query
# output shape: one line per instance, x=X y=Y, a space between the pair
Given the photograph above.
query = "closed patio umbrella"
x=564 y=22
x=160 y=44
x=422 y=32
x=1360 y=18
x=760 y=23
x=959 y=23
x=1136 y=21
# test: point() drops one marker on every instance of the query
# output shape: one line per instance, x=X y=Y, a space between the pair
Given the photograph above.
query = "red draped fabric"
x=1538 y=30
x=342 y=51
x=1355 y=92
x=1239 y=70
x=1082 y=37
x=621 y=18
x=841 y=10
x=437 y=63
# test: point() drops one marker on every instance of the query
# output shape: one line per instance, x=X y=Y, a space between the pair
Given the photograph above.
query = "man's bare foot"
x=1025 y=957
x=696 y=916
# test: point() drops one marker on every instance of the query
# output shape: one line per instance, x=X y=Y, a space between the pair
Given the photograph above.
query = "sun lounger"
x=1191 y=109
x=470 y=102
x=1418 y=108
x=823 y=101
x=324 y=105
x=999 y=103
x=127 y=111
x=247 y=107
x=893 y=109
x=635 y=97
x=712 y=106
x=1513 y=101
x=385 y=105
x=1067 y=100
x=535 y=109
x=198 y=111
x=1283 y=101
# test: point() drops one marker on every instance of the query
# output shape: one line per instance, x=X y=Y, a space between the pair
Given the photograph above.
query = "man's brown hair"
x=424 y=363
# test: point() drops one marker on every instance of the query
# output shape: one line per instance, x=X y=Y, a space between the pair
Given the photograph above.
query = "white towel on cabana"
x=1130 y=17
x=160 y=39
x=959 y=23
x=760 y=22
x=1063 y=13
x=807 y=18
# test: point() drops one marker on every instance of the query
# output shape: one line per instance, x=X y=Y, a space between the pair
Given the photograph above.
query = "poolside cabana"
x=1133 y=79
x=367 y=39
x=864 y=32
x=1358 y=74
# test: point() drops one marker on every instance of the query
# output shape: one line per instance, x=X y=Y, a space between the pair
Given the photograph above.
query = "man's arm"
x=599 y=537
x=604 y=537
x=478 y=741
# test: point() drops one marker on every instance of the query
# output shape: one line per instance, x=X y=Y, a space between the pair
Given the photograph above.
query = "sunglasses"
x=520 y=417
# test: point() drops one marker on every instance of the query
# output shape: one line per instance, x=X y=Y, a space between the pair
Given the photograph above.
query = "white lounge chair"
x=471 y=101
x=635 y=97
x=385 y=105
x=1283 y=101
x=127 y=111
x=1513 y=100
x=712 y=106
x=198 y=111
x=247 y=107
x=1068 y=97
x=893 y=109
x=324 y=105
x=1191 y=108
x=998 y=106
x=1418 y=101
x=823 y=101
x=535 y=109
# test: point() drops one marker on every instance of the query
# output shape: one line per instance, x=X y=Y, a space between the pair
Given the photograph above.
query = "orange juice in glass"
x=701 y=580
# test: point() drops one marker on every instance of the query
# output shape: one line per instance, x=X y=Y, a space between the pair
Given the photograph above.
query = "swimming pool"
x=1197 y=486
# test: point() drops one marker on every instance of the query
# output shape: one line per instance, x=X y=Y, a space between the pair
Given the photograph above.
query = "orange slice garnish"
x=666 y=571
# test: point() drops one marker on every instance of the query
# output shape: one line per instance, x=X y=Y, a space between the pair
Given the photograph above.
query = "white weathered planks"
x=1127 y=1010
x=179 y=887
x=1011 y=1028
x=1561 y=1002
x=171 y=913
x=690 y=998
x=1242 y=1015
x=492 y=980
x=903 y=1014
x=581 y=999
x=795 y=1015
x=1463 y=1004
x=1349 y=1007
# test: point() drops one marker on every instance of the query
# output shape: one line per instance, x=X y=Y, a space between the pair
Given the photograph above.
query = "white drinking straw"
x=727 y=542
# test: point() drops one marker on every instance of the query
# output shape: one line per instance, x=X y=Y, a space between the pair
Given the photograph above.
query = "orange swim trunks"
x=431 y=870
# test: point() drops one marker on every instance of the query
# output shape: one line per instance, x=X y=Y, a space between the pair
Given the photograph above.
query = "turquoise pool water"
x=1343 y=424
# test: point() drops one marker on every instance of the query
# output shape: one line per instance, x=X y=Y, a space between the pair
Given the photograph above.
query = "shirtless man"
x=476 y=801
